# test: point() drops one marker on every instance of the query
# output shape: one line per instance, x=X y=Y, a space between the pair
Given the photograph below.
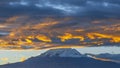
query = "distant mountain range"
x=62 y=58
x=111 y=57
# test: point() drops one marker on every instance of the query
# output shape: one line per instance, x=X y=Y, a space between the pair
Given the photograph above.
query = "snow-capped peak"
x=65 y=52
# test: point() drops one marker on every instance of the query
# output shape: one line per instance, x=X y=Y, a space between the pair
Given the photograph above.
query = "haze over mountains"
x=62 y=58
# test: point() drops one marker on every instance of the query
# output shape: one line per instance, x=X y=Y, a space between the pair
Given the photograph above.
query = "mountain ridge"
x=62 y=62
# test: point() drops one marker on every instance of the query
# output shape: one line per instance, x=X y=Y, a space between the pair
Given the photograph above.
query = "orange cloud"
x=12 y=19
x=113 y=38
x=29 y=41
x=22 y=59
x=68 y=36
x=4 y=59
x=43 y=38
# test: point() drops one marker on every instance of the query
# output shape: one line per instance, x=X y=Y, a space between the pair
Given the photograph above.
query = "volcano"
x=61 y=53
x=62 y=58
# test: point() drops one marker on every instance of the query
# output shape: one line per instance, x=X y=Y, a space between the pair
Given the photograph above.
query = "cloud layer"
x=50 y=23
x=82 y=8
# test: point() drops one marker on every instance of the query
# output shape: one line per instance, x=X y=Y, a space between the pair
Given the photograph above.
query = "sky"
x=12 y=56
x=39 y=24
x=86 y=8
x=90 y=26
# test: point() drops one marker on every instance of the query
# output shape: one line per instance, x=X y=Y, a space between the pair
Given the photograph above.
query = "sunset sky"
x=37 y=24
x=91 y=26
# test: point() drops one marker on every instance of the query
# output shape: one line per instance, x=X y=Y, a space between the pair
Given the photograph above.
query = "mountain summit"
x=62 y=58
x=64 y=52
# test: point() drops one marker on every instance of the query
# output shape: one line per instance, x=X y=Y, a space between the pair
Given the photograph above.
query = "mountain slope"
x=45 y=61
x=106 y=57
x=66 y=52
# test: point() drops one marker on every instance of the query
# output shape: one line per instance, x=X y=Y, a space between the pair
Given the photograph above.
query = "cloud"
x=51 y=22
x=40 y=32
x=80 y=8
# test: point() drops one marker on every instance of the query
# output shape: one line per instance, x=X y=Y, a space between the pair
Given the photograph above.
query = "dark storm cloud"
x=80 y=8
x=21 y=10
